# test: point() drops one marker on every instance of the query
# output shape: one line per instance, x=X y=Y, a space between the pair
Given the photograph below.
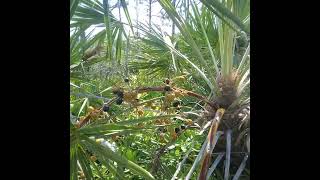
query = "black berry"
x=119 y=101
x=183 y=127
x=161 y=129
x=167 y=88
x=126 y=80
x=175 y=103
x=106 y=108
x=120 y=94
x=176 y=130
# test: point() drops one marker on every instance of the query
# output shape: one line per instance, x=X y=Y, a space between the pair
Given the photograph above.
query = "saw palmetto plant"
x=155 y=105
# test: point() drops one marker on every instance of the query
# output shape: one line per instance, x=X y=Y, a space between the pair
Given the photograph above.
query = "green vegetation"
x=150 y=105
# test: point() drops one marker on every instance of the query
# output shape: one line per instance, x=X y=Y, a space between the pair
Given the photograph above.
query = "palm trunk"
x=137 y=17
x=150 y=2
x=119 y=8
x=173 y=26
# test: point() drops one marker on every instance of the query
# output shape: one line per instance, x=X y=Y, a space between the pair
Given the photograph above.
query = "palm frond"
x=222 y=10
x=214 y=164
x=228 y=153
x=241 y=168
x=108 y=153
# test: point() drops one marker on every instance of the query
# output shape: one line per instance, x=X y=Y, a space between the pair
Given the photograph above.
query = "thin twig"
x=88 y=117
x=186 y=92
x=148 y=89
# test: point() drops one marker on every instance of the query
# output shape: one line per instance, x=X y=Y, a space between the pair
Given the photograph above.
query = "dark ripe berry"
x=126 y=80
x=167 y=88
x=119 y=101
x=167 y=81
x=120 y=94
x=175 y=103
x=176 y=130
x=161 y=129
x=183 y=127
x=105 y=108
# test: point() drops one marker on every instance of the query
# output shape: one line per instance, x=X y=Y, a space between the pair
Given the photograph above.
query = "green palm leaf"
x=108 y=153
